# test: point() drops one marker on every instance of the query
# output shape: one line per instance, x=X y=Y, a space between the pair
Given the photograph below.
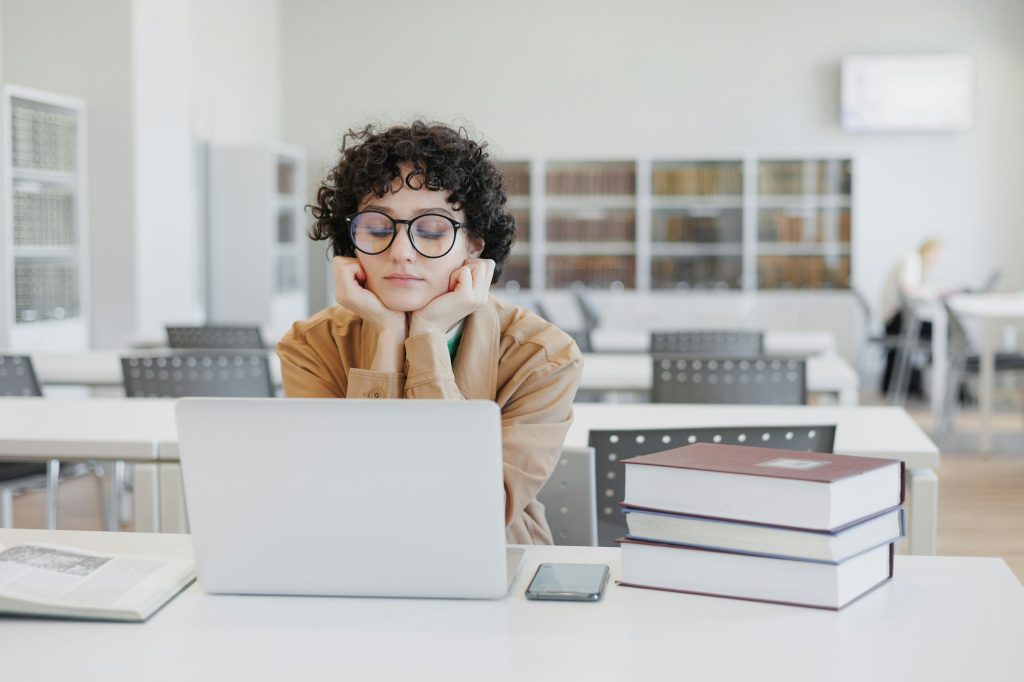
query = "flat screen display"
x=907 y=93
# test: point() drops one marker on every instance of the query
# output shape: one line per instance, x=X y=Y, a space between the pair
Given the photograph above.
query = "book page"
x=58 y=575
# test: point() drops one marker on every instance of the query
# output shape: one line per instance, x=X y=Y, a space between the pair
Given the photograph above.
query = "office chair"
x=614 y=445
x=569 y=500
x=729 y=380
x=198 y=373
x=18 y=379
x=233 y=337
x=708 y=342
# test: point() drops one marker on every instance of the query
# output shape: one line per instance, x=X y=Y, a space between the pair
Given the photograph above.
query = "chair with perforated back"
x=207 y=373
x=569 y=500
x=708 y=342
x=232 y=337
x=729 y=380
x=18 y=379
x=614 y=445
x=582 y=339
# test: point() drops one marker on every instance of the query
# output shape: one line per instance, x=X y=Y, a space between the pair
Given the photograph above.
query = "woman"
x=416 y=221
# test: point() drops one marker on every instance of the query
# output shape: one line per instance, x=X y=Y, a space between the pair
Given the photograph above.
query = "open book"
x=63 y=582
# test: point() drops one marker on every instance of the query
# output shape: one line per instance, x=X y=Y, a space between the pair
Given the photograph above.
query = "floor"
x=981 y=498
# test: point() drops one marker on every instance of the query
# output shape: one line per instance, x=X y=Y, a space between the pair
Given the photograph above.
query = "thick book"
x=765 y=540
x=63 y=582
x=808 y=490
x=743 y=576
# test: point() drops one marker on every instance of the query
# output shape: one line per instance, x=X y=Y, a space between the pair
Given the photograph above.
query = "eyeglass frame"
x=395 y=222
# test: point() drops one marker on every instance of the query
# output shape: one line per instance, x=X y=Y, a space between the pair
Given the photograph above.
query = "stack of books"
x=808 y=529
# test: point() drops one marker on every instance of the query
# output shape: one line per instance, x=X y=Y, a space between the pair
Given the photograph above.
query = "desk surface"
x=776 y=341
x=868 y=431
x=1005 y=306
x=101 y=367
x=940 y=618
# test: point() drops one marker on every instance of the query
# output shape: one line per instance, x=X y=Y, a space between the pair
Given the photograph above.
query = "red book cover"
x=739 y=459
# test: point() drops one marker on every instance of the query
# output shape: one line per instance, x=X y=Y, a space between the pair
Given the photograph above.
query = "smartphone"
x=568 y=582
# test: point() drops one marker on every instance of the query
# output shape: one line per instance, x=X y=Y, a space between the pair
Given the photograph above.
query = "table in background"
x=940 y=618
x=829 y=374
x=994 y=313
x=776 y=342
x=886 y=432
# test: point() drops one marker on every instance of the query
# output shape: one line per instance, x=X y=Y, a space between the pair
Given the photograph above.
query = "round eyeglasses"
x=373 y=232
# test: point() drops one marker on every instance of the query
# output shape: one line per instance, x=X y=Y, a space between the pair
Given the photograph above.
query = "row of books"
x=707 y=271
x=811 y=272
x=517 y=178
x=805 y=177
x=285 y=177
x=782 y=226
x=43 y=140
x=592 y=179
x=699 y=179
x=594 y=271
x=696 y=228
x=44 y=218
x=613 y=227
x=807 y=529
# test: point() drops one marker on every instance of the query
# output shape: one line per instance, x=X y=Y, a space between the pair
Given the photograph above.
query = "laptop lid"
x=393 y=498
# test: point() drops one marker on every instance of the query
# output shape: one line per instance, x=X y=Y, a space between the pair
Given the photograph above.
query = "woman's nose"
x=401 y=248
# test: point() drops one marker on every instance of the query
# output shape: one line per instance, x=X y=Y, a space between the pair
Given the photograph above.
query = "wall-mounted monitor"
x=907 y=93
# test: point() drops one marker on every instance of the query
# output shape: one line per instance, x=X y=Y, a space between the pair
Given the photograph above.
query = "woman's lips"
x=403 y=280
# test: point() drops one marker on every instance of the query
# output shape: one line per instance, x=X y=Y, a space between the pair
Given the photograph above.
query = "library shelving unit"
x=46 y=232
x=257 y=254
x=739 y=222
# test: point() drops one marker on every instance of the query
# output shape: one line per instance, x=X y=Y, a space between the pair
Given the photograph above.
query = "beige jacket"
x=507 y=354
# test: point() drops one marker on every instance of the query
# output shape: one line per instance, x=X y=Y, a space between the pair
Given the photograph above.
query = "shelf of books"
x=45 y=241
x=803 y=223
x=697 y=224
x=723 y=223
x=516 y=274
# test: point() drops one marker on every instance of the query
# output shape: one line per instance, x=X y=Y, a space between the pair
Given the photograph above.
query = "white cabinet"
x=740 y=222
x=45 y=240
x=257 y=270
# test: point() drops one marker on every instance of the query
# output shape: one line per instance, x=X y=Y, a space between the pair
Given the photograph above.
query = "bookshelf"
x=660 y=223
x=46 y=231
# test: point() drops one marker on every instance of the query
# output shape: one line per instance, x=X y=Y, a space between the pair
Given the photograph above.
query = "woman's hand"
x=468 y=288
x=350 y=291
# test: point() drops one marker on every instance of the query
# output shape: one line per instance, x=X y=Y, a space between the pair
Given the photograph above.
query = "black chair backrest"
x=729 y=380
x=588 y=309
x=614 y=445
x=18 y=377
x=582 y=339
x=233 y=337
x=211 y=373
x=708 y=342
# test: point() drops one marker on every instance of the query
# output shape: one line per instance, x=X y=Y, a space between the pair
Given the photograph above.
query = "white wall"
x=3 y=265
x=168 y=272
x=83 y=49
x=688 y=75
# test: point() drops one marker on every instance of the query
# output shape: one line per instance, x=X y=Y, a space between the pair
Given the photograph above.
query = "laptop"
x=381 y=498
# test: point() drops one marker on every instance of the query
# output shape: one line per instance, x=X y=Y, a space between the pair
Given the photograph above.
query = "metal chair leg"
x=7 y=508
x=52 y=484
x=113 y=510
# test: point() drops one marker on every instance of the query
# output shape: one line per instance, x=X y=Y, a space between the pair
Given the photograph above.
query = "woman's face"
x=401 y=277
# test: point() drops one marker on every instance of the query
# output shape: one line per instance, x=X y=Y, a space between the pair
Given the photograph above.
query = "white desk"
x=143 y=430
x=886 y=432
x=828 y=374
x=993 y=312
x=940 y=619
x=101 y=368
x=776 y=342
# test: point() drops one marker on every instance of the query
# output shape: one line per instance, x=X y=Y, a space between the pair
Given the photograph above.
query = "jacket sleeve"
x=533 y=426
x=534 y=420
x=309 y=372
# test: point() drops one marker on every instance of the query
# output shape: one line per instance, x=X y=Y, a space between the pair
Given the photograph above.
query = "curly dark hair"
x=442 y=158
